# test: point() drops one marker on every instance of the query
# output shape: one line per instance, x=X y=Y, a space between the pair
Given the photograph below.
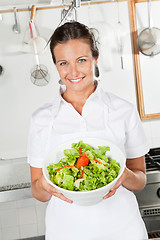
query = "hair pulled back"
x=73 y=30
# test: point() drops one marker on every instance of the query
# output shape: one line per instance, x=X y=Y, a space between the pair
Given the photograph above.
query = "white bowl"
x=86 y=197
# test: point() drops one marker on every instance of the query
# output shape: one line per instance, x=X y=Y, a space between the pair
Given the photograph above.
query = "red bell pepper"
x=98 y=161
x=81 y=175
x=63 y=167
x=80 y=151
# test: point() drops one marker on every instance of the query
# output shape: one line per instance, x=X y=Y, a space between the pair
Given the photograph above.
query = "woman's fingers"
x=53 y=191
x=116 y=186
x=110 y=194
x=61 y=196
x=113 y=190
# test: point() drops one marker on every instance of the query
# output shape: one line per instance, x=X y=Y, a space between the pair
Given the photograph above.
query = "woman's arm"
x=41 y=189
x=133 y=177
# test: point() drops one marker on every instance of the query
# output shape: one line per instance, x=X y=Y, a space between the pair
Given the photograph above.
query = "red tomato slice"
x=82 y=161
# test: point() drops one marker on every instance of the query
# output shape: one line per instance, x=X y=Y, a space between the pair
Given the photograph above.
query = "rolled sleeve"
x=35 y=146
x=136 y=142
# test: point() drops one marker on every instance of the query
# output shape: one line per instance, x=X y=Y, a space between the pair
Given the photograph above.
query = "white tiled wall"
x=22 y=219
x=152 y=131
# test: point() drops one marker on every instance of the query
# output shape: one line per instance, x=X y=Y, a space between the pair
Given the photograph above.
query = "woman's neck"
x=78 y=99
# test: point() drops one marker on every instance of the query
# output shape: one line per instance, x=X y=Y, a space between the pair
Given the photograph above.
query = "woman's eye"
x=82 y=60
x=63 y=63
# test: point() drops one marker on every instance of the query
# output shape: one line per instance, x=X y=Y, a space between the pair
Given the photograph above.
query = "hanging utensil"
x=16 y=27
x=68 y=15
x=92 y=28
x=65 y=14
x=1 y=70
x=39 y=73
x=95 y=33
x=119 y=31
x=149 y=39
x=36 y=40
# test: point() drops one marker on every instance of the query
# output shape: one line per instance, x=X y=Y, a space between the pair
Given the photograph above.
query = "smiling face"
x=75 y=64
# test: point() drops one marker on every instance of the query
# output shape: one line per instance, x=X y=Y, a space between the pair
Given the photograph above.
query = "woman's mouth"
x=77 y=80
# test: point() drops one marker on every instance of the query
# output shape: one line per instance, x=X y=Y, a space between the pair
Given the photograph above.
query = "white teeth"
x=76 y=80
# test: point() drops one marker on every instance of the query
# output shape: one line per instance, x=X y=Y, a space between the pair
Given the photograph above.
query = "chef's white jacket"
x=105 y=116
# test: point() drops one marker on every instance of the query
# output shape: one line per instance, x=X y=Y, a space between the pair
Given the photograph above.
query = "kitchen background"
x=21 y=216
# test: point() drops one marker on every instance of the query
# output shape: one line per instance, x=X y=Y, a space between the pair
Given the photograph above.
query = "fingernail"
x=105 y=197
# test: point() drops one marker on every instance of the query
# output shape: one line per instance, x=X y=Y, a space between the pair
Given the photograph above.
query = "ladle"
x=16 y=28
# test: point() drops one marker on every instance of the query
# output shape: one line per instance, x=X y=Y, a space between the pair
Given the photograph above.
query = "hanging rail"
x=60 y=6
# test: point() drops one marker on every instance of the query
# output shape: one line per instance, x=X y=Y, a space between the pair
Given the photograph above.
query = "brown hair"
x=73 y=30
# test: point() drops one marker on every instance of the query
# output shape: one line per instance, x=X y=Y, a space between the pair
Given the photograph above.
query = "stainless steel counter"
x=14 y=180
x=15 y=194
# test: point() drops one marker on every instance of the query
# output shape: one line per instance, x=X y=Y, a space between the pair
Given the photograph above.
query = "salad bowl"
x=85 y=197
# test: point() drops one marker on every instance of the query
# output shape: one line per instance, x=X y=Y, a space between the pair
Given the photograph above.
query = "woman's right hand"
x=41 y=189
x=52 y=190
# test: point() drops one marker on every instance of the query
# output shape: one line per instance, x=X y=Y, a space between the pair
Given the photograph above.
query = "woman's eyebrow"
x=61 y=61
x=84 y=56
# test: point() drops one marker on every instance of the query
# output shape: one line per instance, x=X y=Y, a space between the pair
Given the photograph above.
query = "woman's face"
x=75 y=64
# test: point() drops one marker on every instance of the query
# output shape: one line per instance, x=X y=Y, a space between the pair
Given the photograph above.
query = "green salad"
x=84 y=168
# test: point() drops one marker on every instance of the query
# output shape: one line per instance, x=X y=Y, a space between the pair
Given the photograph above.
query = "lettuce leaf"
x=97 y=174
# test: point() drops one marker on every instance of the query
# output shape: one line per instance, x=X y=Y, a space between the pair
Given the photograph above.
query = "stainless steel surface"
x=149 y=198
x=153 y=176
x=149 y=195
x=17 y=194
x=14 y=179
x=13 y=172
x=149 y=38
x=77 y=3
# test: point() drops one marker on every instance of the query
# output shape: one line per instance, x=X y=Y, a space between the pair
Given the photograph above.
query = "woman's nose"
x=74 y=70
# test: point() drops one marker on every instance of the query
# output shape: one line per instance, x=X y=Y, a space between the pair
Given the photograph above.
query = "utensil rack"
x=59 y=6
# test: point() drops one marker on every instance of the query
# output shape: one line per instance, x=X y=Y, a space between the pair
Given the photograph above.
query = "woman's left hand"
x=118 y=184
x=133 y=177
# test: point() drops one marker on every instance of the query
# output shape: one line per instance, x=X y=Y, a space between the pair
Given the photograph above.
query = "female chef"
x=83 y=109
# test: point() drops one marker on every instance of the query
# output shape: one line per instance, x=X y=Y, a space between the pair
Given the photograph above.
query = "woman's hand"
x=120 y=182
x=133 y=177
x=41 y=189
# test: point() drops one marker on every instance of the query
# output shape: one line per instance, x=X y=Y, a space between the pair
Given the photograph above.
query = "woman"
x=83 y=109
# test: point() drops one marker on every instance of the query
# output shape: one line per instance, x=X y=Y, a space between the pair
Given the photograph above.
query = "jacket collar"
x=103 y=96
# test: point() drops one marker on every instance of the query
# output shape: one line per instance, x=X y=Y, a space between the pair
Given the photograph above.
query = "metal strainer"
x=149 y=39
x=39 y=75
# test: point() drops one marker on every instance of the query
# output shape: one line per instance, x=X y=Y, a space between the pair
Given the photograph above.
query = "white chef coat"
x=106 y=116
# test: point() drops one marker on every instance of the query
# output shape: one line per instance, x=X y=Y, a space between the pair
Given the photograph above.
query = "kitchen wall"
x=19 y=97
x=22 y=219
